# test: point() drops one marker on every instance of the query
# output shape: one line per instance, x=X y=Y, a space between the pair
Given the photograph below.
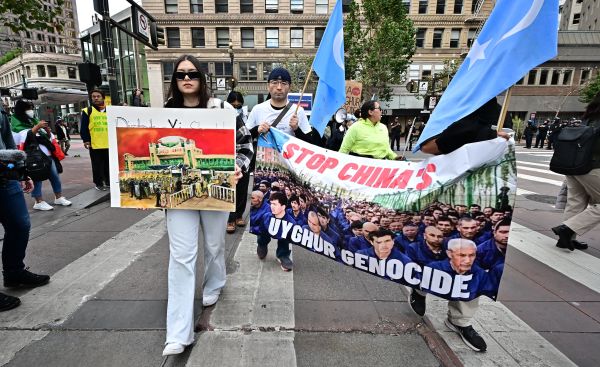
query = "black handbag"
x=37 y=164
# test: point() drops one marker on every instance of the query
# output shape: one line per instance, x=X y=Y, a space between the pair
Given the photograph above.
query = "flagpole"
x=504 y=109
x=304 y=88
x=408 y=136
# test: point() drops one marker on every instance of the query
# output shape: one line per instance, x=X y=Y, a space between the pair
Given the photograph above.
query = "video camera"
x=12 y=165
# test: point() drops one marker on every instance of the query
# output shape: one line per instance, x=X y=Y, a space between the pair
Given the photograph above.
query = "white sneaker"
x=173 y=348
x=42 y=205
x=62 y=201
x=209 y=300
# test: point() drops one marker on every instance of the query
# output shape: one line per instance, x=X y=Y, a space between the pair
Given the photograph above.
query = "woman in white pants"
x=188 y=90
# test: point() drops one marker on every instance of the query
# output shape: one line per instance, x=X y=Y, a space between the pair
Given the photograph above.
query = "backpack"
x=37 y=164
x=573 y=150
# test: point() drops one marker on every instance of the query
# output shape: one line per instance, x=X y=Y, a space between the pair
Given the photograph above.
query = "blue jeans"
x=283 y=246
x=54 y=181
x=15 y=220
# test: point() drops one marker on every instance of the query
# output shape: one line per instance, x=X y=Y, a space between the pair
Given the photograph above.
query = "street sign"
x=432 y=102
x=423 y=86
x=220 y=83
x=143 y=24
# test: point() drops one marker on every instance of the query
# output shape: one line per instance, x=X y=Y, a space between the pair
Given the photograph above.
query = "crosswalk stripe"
x=544 y=171
x=525 y=192
x=539 y=179
x=534 y=164
x=577 y=265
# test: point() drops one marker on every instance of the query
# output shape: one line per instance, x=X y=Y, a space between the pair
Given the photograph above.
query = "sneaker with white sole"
x=209 y=300
x=62 y=201
x=172 y=349
x=42 y=205
x=471 y=337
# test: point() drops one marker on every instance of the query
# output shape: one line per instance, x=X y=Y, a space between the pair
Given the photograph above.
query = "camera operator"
x=14 y=217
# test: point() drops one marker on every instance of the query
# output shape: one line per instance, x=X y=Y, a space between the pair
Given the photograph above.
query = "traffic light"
x=30 y=93
x=232 y=82
x=157 y=35
x=412 y=86
x=89 y=73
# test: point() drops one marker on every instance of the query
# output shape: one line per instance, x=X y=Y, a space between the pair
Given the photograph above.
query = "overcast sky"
x=85 y=10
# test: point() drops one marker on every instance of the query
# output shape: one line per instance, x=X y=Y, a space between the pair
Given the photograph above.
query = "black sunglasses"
x=180 y=75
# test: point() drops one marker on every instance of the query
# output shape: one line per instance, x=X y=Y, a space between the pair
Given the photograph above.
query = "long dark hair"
x=175 y=98
x=593 y=109
x=20 y=107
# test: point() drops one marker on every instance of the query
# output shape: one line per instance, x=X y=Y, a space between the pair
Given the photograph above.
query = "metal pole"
x=109 y=54
x=504 y=109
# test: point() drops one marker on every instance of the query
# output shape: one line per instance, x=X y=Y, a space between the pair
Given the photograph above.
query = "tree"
x=26 y=15
x=298 y=65
x=590 y=90
x=379 y=40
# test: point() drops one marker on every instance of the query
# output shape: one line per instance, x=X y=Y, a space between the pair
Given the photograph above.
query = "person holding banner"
x=188 y=89
x=368 y=137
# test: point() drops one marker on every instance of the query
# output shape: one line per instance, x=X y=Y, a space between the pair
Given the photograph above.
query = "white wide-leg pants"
x=183 y=226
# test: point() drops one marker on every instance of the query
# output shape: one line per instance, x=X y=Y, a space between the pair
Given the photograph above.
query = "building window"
x=221 y=6
x=423 y=6
x=41 y=71
x=567 y=75
x=223 y=69
x=246 y=6
x=71 y=72
x=168 y=68
x=248 y=71
x=532 y=77
x=454 y=37
x=543 y=77
x=222 y=37
x=322 y=6
x=52 y=73
x=437 y=37
x=585 y=76
x=171 y=6
x=296 y=6
x=272 y=37
x=474 y=6
x=198 y=40
x=406 y=4
x=576 y=18
x=471 y=36
x=173 y=39
x=247 y=37
x=271 y=6
x=521 y=81
x=458 y=6
x=555 y=76
x=196 y=6
x=319 y=36
x=268 y=67
x=420 y=42
x=346 y=6
x=440 y=7
x=296 y=37
x=28 y=71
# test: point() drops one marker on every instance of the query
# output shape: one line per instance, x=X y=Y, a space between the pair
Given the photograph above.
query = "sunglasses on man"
x=180 y=75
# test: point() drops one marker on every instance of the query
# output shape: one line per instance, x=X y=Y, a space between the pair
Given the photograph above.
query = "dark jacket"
x=596 y=154
x=6 y=138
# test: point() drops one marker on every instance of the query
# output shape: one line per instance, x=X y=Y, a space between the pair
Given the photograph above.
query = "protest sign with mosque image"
x=396 y=220
x=172 y=158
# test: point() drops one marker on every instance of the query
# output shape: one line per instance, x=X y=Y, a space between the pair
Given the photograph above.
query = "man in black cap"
x=264 y=114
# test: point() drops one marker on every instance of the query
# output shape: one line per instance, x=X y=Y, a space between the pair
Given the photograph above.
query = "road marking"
x=539 y=179
x=534 y=164
x=577 y=265
x=525 y=192
x=544 y=171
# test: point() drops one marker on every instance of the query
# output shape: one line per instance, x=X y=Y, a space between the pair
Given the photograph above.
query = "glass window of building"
x=246 y=6
x=321 y=6
x=168 y=68
x=440 y=7
x=267 y=67
x=196 y=6
x=458 y=6
x=296 y=6
x=223 y=69
x=71 y=72
x=437 y=37
x=576 y=18
x=318 y=36
x=272 y=37
x=41 y=71
x=271 y=6
x=222 y=37
x=346 y=6
x=296 y=37
x=173 y=38
x=171 y=6
x=531 y=77
x=28 y=71
x=52 y=73
x=474 y=5
x=198 y=40
x=420 y=37
x=423 y=6
x=454 y=37
x=585 y=76
x=221 y=6
x=247 y=37
x=567 y=76
x=471 y=36
x=248 y=71
x=406 y=4
x=543 y=77
x=555 y=77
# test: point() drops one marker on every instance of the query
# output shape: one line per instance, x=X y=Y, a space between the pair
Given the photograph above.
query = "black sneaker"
x=286 y=263
x=417 y=302
x=261 y=251
x=25 y=279
x=565 y=237
x=471 y=337
x=8 y=302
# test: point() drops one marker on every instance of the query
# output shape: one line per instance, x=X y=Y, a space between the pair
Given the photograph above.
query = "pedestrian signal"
x=157 y=34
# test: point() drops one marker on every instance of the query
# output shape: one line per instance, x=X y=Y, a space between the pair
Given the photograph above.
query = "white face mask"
x=29 y=113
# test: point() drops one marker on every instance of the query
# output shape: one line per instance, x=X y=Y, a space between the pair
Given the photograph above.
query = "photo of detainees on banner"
x=450 y=240
x=174 y=168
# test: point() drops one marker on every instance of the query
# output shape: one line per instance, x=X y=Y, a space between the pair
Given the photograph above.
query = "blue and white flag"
x=518 y=36
x=329 y=66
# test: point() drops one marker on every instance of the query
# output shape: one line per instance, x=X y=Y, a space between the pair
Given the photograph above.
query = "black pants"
x=15 y=220
x=540 y=138
x=241 y=197
x=528 y=140
x=395 y=139
x=100 y=173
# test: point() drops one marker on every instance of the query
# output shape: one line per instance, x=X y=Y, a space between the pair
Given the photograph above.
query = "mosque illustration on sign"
x=172 y=151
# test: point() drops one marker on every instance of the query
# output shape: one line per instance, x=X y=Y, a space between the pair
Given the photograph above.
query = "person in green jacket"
x=368 y=137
